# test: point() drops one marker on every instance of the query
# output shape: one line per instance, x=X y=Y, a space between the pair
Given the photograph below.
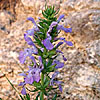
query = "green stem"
x=42 y=83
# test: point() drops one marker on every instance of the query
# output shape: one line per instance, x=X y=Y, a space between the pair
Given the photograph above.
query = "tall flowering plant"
x=42 y=53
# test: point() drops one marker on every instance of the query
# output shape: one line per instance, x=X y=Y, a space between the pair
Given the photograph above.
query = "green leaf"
x=51 y=68
x=49 y=62
x=14 y=88
x=44 y=62
x=34 y=90
x=39 y=52
x=37 y=96
x=46 y=82
x=37 y=85
x=38 y=42
x=45 y=54
x=45 y=21
x=55 y=96
x=41 y=35
x=25 y=97
x=44 y=25
x=44 y=15
x=51 y=53
x=21 y=97
x=45 y=92
x=41 y=95
x=28 y=96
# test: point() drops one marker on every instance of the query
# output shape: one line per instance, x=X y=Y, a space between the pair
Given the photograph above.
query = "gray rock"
x=84 y=18
x=6 y=19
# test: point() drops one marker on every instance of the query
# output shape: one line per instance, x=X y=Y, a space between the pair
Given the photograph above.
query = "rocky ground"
x=81 y=73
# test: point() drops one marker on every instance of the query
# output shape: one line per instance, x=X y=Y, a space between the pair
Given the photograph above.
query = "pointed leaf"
x=55 y=96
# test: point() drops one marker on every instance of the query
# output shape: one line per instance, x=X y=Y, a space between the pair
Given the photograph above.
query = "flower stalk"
x=45 y=34
x=42 y=83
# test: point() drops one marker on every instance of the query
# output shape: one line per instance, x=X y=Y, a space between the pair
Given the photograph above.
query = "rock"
x=6 y=19
x=93 y=51
x=84 y=18
x=1 y=75
x=30 y=2
x=81 y=73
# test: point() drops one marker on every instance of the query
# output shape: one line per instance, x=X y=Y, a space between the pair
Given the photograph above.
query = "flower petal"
x=48 y=44
x=60 y=17
x=61 y=27
x=40 y=62
x=60 y=88
x=29 y=79
x=23 y=91
x=32 y=19
x=69 y=43
x=28 y=39
x=21 y=84
x=23 y=74
x=59 y=64
x=22 y=57
x=30 y=32
x=36 y=74
x=51 y=26
x=65 y=59
x=60 y=43
x=55 y=74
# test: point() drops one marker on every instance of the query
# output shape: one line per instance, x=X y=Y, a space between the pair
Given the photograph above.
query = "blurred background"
x=81 y=73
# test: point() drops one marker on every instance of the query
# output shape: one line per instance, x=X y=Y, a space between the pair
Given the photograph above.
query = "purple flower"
x=61 y=27
x=48 y=44
x=23 y=89
x=23 y=74
x=58 y=64
x=51 y=26
x=30 y=32
x=22 y=84
x=60 y=17
x=59 y=84
x=34 y=75
x=52 y=81
x=60 y=43
x=53 y=77
x=34 y=72
x=30 y=42
x=32 y=19
x=42 y=49
x=62 y=55
x=69 y=43
x=28 y=39
x=65 y=59
x=27 y=52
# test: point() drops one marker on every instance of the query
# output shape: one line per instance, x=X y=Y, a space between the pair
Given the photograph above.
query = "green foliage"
x=55 y=96
x=37 y=96
x=43 y=87
x=46 y=82
x=37 y=85
x=50 y=15
x=50 y=68
x=27 y=97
